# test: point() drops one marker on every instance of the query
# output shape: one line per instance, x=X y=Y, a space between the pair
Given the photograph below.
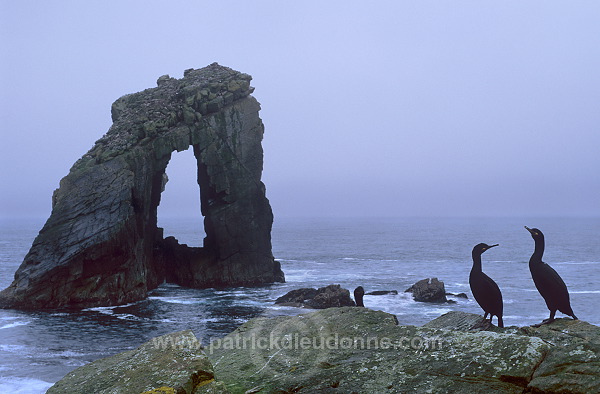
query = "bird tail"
x=569 y=312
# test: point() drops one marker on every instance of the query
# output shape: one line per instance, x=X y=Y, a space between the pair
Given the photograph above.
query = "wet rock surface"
x=382 y=292
x=324 y=297
x=428 y=290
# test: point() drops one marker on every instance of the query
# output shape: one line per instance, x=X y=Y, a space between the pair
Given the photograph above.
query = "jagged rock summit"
x=101 y=244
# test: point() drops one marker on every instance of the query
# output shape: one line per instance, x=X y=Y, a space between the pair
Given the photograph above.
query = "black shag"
x=484 y=289
x=547 y=281
x=359 y=292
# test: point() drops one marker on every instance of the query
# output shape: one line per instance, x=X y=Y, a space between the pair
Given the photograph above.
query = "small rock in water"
x=324 y=297
x=382 y=292
x=428 y=290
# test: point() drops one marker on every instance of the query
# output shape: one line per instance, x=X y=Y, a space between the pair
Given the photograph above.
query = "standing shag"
x=547 y=281
x=484 y=289
x=359 y=292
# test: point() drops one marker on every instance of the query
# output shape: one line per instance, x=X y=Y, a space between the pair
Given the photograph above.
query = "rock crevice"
x=101 y=244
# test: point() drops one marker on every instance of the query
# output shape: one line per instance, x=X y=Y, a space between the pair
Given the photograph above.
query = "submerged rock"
x=297 y=296
x=382 y=292
x=101 y=244
x=325 y=297
x=173 y=363
x=428 y=290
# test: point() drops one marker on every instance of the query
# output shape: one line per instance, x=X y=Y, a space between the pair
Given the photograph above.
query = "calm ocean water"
x=38 y=348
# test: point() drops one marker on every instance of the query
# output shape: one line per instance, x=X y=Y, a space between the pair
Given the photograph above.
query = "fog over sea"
x=38 y=348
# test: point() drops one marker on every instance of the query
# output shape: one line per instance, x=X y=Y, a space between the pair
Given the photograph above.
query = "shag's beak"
x=493 y=246
x=528 y=229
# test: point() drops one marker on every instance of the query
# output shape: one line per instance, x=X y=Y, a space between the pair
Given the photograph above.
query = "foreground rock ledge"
x=174 y=363
x=353 y=349
x=359 y=350
x=101 y=244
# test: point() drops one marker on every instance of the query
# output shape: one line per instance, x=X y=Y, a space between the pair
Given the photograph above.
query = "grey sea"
x=38 y=348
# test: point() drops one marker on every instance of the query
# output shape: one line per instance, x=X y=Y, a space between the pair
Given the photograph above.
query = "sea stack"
x=101 y=244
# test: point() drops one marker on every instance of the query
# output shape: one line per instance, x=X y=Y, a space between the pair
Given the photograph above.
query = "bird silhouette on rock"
x=484 y=289
x=548 y=281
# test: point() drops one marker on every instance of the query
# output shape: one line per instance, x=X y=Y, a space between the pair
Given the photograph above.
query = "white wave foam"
x=515 y=317
x=300 y=275
x=436 y=311
x=127 y=316
x=23 y=385
x=12 y=349
x=585 y=292
x=174 y=300
x=15 y=324
x=107 y=310
x=167 y=321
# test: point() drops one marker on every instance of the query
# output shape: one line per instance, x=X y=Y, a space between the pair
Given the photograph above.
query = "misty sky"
x=388 y=108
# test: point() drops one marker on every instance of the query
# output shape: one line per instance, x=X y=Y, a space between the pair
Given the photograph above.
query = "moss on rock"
x=172 y=363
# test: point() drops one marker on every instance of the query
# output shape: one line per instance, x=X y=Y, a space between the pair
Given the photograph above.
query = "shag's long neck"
x=538 y=252
x=476 y=262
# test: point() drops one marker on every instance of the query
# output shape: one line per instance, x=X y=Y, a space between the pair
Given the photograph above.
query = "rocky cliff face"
x=101 y=244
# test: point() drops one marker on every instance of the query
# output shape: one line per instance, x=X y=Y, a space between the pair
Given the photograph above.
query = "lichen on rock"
x=360 y=350
x=172 y=363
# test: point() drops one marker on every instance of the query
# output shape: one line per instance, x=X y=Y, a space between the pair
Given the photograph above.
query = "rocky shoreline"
x=350 y=349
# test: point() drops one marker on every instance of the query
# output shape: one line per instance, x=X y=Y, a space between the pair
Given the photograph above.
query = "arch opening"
x=179 y=213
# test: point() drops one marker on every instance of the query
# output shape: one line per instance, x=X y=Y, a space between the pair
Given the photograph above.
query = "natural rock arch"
x=101 y=244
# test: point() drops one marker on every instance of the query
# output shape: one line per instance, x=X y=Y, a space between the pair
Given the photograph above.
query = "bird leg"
x=551 y=318
x=485 y=316
x=546 y=321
